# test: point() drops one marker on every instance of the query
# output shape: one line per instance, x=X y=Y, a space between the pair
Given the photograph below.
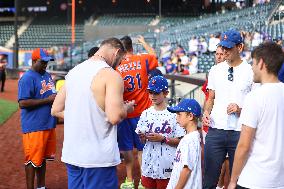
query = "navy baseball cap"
x=230 y=38
x=158 y=84
x=187 y=105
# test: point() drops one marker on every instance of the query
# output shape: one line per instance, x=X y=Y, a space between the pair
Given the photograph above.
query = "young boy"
x=159 y=127
x=187 y=163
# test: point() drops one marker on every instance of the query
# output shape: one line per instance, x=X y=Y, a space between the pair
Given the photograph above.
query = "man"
x=228 y=84
x=134 y=71
x=3 y=64
x=36 y=93
x=224 y=176
x=91 y=107
x=259 y=157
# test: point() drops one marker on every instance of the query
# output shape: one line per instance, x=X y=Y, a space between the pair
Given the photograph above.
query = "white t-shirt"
x=188 y=153
x=157 y=157
x=227 y=92
x=264 y=110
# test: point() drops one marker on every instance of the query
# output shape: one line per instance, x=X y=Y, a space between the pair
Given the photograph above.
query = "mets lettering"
x=129 y=66
x=164 y=129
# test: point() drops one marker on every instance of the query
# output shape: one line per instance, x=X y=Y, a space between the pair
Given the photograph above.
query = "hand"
x=232 y=185
x=51 y=98
x=232 y=108
x=140 y=39
x=154 y=137
x=142 y=137
x=129 y=106
x=206 y=118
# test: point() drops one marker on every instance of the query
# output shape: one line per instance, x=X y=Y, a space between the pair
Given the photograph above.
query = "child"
x=187 y=166
x=159 y=127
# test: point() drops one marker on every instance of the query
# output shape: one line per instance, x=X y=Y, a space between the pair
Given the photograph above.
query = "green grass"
x=7 y=108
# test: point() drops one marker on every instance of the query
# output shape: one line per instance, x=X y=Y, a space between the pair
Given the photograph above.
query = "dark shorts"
x=89 y=178
x=128 y=139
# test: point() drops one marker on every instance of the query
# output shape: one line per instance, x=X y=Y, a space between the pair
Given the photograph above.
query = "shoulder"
x=27 y=76
x=46 y=74
x=253 y=95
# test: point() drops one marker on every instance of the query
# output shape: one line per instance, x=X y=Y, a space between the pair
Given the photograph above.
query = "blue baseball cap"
x=41 y=54
x=230 y=38
x=281 y=73
x=158 y=84
x=187 y=105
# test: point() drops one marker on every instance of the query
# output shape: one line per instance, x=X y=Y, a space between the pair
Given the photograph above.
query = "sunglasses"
x=153 y=93
x=230 y=75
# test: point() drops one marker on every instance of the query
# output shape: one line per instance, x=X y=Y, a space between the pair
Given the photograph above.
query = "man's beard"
x=116 y=62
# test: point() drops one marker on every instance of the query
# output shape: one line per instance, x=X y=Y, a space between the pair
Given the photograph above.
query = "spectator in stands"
x=203 y=46
x=3 y=64
x=165 y=52
x=90 y=148
x=193 y=63
x=92 y=51
x=36 y=93
x=228 y=84
x=184 y=59
x=193 y=45
x=170 y=67
x=212 y=44
x=260 y=154
x=256 y=39
x=134 y=70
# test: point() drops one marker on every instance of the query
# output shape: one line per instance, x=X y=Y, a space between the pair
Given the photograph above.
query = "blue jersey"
x=33 y=85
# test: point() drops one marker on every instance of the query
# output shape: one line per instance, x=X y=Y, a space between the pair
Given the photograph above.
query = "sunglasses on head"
x=153 y=92
x=230 y=75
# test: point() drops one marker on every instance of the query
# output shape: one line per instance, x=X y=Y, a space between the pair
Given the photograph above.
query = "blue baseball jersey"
x=33 y=85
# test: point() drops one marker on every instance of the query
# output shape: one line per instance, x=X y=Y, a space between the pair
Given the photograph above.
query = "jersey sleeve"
x=26 y=88
x=190 y=157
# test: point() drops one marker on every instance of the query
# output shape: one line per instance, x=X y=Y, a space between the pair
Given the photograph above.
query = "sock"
x=43 y=187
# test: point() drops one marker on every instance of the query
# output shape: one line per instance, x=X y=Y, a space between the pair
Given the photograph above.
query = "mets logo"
x=46 y=86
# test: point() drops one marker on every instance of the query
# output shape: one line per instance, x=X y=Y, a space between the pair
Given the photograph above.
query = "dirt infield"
x=12 y=168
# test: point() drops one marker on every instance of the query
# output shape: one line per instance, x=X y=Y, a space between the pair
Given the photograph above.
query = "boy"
x=163 y=134
x=187 y=163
